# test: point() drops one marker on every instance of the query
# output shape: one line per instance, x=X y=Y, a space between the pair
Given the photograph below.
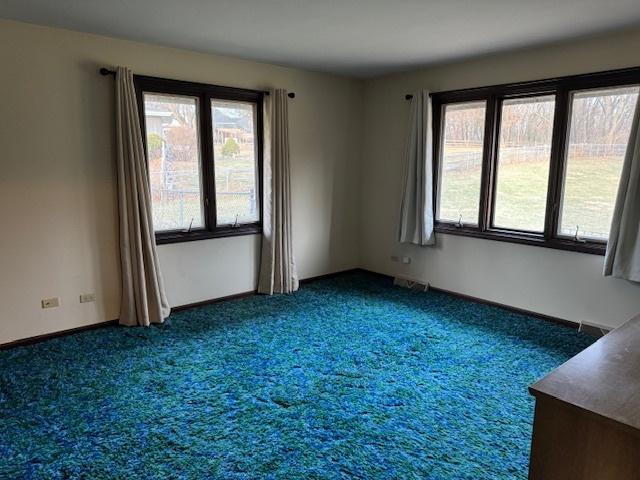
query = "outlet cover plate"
x=51 y=302
x=87 y=297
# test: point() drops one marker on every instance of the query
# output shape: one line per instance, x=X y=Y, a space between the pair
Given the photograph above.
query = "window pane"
x=599 y=131
x=461 y=162
x=526 y=128
x=173 y=150
x=235 y=162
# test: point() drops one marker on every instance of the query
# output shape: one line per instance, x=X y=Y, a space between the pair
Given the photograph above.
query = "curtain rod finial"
x=106 y=71
x=408 y=96
x=290 y=94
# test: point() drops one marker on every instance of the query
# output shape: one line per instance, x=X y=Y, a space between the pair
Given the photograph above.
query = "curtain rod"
x=105 y=71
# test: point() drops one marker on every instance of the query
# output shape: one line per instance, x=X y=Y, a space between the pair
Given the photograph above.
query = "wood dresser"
x=587 y=417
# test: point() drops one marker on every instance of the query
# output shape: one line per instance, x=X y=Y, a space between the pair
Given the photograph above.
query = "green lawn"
x=589 y=196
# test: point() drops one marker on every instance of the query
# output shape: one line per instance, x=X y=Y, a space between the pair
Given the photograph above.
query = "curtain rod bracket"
x=409 y=96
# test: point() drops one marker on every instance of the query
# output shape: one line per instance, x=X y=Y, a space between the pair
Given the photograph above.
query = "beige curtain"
x=143 y=297
x=277 y=266
x=623 y=249
x=416 y=211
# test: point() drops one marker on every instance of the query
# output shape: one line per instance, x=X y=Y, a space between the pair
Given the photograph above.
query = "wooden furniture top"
x=603 y=379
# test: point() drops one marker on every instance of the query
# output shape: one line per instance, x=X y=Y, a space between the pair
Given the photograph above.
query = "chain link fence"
x=177 y=199
x=470 y=155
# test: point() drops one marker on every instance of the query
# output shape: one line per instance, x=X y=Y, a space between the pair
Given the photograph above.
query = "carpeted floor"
x=348 y=378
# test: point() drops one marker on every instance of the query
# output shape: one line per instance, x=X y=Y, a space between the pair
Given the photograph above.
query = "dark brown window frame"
x=562 y=88
x=205 y=94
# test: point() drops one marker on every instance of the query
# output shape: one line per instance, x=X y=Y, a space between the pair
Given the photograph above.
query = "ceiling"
x=362 y=38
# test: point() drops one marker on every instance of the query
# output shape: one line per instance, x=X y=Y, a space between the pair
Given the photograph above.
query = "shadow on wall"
x=100 y=189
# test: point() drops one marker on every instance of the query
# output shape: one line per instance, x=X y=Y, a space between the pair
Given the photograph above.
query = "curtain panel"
x=622 y=259
x=277 y=266
x=416 y=212
x=144 y=300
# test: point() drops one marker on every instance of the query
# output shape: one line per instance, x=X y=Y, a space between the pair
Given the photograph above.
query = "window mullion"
x=489 y=162
x=556 y=168
x=208 y=171
x=438 y=134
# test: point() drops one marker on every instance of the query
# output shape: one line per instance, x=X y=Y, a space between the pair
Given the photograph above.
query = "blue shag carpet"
x=350 y=378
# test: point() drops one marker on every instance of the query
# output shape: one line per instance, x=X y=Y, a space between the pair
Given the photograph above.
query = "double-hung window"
x=204 y=151
x=535 y=162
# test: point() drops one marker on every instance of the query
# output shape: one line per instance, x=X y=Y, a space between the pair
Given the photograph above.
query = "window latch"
x=459 y=224
x=576 y=237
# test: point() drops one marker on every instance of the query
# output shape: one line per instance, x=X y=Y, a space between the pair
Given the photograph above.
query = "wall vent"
x=593 y=329
x=406 y=281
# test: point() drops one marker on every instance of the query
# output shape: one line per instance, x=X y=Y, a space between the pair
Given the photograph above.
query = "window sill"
x=163 y=238
x=594 y=248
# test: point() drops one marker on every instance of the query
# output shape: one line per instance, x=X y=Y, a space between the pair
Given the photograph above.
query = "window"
x=535 y=162
x=522 y=174
x=599 y=130
x=236 y=169
x=461 y=163
x=173 y=153
x=204 y=150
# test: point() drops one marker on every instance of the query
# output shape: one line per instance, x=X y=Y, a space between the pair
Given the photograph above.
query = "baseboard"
x=586 y=328
x=250 y=293
x=325 y=276
x=62 y=333
x=542 y=316
x=211 y=301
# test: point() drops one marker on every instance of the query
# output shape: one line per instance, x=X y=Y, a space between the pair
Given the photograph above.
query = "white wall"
x=57 y=177
x=562 y=284
x=57 y=183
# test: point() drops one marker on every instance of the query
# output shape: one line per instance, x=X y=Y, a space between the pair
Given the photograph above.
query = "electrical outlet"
x=396 y=258
x=51 y=302
x=87 y=297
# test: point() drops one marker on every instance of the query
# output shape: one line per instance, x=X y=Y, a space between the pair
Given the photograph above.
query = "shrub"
x=230 y=148
x=154 y=145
